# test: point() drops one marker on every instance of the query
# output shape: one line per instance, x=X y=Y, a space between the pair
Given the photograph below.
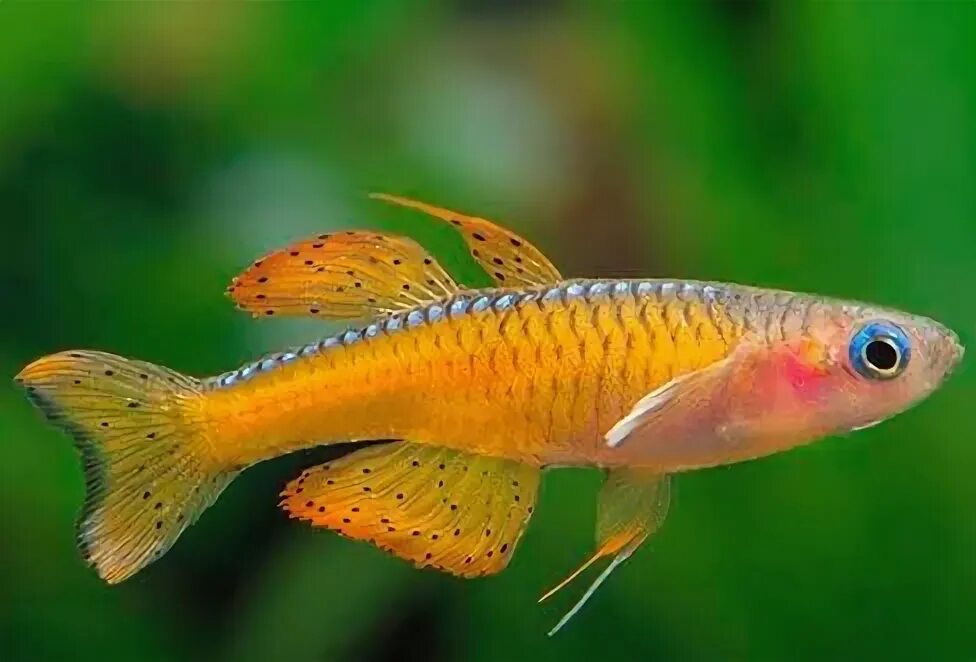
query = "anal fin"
x=439 y=508
x=632 y=505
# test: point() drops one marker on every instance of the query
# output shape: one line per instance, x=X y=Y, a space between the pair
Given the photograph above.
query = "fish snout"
x=949 y=350
x=958 y=350
x=942 y=348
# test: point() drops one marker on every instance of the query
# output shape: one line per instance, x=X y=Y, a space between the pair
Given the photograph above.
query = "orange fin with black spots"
x=345 y=275
x=508 y=258
x=439 y=508
x=632 y=505
x=145 y=450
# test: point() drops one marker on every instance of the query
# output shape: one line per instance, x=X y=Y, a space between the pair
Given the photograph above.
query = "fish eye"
x=880 y=350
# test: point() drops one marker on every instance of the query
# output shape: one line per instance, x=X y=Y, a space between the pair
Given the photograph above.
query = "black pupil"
x=881 y=355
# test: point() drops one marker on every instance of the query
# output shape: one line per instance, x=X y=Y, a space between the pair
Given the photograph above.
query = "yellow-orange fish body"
x=479 y=391
x=537 y=375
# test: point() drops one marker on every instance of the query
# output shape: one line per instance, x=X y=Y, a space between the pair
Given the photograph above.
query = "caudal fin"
x=142 y=439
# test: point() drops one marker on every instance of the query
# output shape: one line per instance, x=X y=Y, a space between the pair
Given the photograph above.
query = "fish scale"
x=594 y=338
x=461 y=305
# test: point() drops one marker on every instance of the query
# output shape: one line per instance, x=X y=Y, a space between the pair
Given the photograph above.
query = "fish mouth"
x=944 y=347
x=953 y=352
x=958 y=350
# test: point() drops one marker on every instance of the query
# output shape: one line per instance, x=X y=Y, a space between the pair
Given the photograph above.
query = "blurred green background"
x=150 y=151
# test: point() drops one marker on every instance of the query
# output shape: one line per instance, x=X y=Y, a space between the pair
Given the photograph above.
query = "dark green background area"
x=150 y=151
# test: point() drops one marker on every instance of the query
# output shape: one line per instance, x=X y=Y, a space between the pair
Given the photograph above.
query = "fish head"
x=875 y=363
x=815 y=368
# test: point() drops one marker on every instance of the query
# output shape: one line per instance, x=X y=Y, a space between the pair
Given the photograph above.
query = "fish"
x=480 y=390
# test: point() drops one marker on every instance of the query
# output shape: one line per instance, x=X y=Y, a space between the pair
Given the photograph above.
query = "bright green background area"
x=149 y=151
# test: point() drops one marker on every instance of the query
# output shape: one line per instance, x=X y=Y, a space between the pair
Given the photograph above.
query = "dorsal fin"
x=343 y=275
x=508 y=258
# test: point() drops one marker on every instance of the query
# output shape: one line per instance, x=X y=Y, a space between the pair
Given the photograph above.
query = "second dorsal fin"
x=344 y=275
x=508 y=258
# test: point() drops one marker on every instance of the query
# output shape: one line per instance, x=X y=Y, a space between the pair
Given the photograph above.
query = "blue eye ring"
x=880 y=350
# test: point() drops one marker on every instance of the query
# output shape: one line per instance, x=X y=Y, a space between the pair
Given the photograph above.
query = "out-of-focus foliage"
x=148 y=151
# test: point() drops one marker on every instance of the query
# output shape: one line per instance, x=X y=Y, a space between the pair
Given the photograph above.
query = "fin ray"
x=591 y=589
x=508 y=258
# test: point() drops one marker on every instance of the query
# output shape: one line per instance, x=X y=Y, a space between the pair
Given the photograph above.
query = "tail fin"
x=144 y=449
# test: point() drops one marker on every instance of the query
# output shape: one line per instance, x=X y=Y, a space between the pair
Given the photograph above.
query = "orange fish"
x=485 y=389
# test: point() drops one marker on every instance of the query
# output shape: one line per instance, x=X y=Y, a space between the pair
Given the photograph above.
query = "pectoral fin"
x=681 y=401
x=755 y=401
x=632 y=505
x=341 y=276
x=508 y=258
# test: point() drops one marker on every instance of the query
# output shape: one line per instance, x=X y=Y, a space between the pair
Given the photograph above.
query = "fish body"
x=482 y=389
x=536 y=375
x=539 y=374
